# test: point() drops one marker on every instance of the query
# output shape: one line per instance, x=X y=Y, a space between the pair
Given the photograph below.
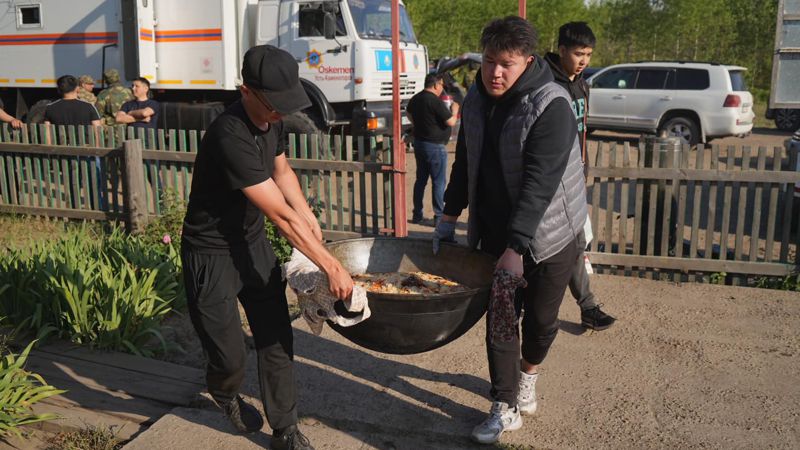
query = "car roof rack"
x=713 y=63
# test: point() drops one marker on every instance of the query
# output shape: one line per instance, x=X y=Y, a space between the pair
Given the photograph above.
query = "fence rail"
x=62 y=172
x=690 y=211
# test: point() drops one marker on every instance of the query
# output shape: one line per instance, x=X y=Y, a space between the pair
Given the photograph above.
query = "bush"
x=89 y=438
x=19 y=391
x=166 y=228
x=109 y=291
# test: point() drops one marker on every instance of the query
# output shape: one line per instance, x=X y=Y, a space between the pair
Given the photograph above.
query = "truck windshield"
x=373 y=19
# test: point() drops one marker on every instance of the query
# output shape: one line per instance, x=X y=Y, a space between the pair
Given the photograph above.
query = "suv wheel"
x=683 y=128
x=787 y=119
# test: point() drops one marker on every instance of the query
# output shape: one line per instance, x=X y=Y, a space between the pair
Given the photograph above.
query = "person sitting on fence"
x=86 y=88
x=241 y=174
x=111 y=99
x=576 y=43
x=8 y=118
x=142 y=111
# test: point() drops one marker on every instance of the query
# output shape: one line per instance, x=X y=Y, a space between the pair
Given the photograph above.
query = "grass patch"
x=89 y=438
x=760 y=110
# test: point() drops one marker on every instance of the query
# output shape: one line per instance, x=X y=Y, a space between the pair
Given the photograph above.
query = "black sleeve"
x=456 y=197
x=279 y=128
x=93 y=112
x=442 y=113
x=127 y=107
x=545 y=160
x=47 y=116
x=239 y=158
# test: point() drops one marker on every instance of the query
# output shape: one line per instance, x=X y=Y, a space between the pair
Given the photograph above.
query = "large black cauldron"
x=406 y=324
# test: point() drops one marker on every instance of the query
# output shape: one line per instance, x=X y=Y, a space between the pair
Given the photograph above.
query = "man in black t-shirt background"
x=240 y=175
x=69 y=110
x=432 y=121
x=142 y=111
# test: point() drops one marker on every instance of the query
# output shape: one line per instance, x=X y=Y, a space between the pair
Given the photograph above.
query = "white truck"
x=191 y=51
x=784 y=99
x=785 y=91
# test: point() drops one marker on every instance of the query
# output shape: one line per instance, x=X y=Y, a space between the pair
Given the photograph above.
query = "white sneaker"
x=500 y=419
x=526 y=399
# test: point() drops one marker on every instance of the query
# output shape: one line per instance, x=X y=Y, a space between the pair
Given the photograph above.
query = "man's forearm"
x=140 y=114
x=290 y=188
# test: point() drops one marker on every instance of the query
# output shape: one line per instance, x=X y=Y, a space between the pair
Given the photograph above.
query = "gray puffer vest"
x=566 y=214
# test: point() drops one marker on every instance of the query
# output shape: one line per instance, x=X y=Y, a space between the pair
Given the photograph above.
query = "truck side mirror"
x=329 y=26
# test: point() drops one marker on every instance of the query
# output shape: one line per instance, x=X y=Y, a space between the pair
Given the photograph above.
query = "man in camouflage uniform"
x=85 y=88
x=110 y=99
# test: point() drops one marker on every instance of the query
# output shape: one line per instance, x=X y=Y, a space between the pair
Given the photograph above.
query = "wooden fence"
x=687 y=212
x=80 y=174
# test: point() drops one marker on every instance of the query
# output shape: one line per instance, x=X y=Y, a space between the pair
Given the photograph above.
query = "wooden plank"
x=4 y=182
x=712 y=204
x=59 y=212
x=337 y=143
x=755 y=228
x=596 y=187
x=115 y=185
x=74 y=173
x=652 y=208
x=669 y=187
x=94 y=179
x=698 y=197
x=58 y=150
x=87 y=202
x=638 y=201
x=726 y=206
x=305 y=183
x=193 y=147
x=31 y=180
x=681 y=204
x=374 y=188
x=623 y=206
x=743 y=193
x=351 y=184
x=611 y=184
x=690 y=264
x=786 y=223
x=20 y=174
x=104 y=378
x=173 y=148
x=363 y=187
x=388 y=198
x=12 y=180
x=744 y=176
x=772 y=212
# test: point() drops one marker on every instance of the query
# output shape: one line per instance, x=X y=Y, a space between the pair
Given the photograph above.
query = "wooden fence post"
x=133 y=186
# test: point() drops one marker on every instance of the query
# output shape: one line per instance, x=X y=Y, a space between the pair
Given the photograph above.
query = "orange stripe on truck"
x=58 y=38
x=205 y=34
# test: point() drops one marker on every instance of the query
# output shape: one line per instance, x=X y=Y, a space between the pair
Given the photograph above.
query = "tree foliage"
x=740 y=32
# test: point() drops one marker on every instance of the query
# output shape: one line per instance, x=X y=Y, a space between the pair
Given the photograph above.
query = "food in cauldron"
x=414 y=283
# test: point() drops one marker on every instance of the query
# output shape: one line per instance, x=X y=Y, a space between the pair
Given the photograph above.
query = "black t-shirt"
x=430 y=115
x=70 y=112
x=233 y=154
x=133 y=105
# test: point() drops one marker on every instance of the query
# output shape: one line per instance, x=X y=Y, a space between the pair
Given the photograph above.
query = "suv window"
x=689 y=80
x=651 y=78
x=737 y=80
x=616 y=79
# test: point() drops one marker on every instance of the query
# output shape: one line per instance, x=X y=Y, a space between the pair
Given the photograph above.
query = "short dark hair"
x=66 y=84
x=576 y=34
x=510 y=34
x=142 y=80
x=431 y=79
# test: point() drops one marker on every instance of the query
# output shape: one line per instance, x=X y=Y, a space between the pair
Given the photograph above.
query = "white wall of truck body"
x=195 y=45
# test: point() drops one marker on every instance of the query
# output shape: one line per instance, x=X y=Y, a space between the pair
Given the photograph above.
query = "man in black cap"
x=240 y=175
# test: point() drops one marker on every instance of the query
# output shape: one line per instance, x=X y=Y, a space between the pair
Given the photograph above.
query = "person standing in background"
x=576 y=43
x=86 y=89
x=111 y=99
x=432 y=121
x=142 y=111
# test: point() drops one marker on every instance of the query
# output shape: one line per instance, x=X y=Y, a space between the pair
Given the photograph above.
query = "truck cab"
x=343 y=48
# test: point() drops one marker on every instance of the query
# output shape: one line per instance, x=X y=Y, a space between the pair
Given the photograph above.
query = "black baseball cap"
x=274 y=72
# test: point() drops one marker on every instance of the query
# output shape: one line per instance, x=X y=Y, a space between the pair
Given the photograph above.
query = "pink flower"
x=166 y=239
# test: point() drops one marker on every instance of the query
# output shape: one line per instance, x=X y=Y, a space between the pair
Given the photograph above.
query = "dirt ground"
x=686 y=366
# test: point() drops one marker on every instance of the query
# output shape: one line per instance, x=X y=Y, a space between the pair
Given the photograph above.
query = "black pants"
x=547 y=282
x=213 y=283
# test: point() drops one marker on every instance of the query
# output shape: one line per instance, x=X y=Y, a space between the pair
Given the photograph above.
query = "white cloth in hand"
x=315 y=300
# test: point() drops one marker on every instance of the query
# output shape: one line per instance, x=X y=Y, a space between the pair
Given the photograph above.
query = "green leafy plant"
x=717 y=278
x=19 y=391
x=109 y=291
x=166 y=228
x=790 y=282
x=281 y=246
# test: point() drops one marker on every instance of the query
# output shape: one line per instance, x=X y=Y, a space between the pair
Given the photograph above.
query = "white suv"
x=691 y=100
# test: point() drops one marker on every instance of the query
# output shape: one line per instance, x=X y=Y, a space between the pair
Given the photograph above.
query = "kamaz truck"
x=191 y=51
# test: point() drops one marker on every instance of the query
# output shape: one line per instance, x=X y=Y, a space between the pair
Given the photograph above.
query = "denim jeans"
x=431 y=162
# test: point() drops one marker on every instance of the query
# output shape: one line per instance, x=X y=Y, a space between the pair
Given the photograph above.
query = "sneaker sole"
x=595 y=327
x=516 y=425
x=528 y=411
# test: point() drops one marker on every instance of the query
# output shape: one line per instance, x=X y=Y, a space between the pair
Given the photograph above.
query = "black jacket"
x=579 y=91
x=546 y=148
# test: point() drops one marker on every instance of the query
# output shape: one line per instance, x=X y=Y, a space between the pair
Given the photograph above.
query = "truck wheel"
x=299 y=123
x=36 y=113
x=683 y=128
x=787 y=119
